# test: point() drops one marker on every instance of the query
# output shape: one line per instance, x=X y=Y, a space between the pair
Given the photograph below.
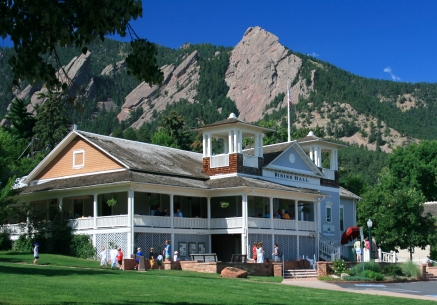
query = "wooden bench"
x=206 y=257
x=239 y=258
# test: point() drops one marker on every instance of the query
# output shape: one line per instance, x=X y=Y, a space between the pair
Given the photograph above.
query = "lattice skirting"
x=287 y=244
x=110 y=240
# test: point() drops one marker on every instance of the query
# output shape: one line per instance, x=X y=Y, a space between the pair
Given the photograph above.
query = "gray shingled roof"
x=148 y=178
x=345 y=193
x=150 y=158
x=270 y=152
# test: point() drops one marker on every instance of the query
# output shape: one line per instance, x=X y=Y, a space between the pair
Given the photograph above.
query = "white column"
x=204 y=145
x=297 y=248
x=231 y=142
x=60 y=202
x=312 y=153
x=235 y=140
x=209 y=152
x=271 y=213
x=244 y=218
x=319 y=156
x=240 y=141
x=261 y=152
x=226 y=146
x=172 y=211
x=95 y=210
x=256 y=146
x=296 y=213
x=130 y=216
x=208 y=211
x=335 y=151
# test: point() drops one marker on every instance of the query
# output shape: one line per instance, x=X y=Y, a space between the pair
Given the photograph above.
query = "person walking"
x=113 y=255
x=276 y=253
x=120 y=258
x=35 y=252
x=103 y=257
x=137 y=259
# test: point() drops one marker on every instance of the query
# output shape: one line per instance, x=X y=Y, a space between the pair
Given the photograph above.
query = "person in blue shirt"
x=137 y=259
x=167 y=250
x=178 y=213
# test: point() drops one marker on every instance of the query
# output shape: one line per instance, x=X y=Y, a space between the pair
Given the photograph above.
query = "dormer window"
x=78 y=159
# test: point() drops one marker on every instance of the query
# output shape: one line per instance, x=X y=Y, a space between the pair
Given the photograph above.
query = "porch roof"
x=152 y=178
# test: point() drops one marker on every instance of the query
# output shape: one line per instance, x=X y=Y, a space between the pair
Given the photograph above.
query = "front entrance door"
x=224 y=245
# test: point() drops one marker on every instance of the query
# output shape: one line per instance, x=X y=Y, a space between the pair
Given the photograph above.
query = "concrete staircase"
x=430 y=276
x=300 y=273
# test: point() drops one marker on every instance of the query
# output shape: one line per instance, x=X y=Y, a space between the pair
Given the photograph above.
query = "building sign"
x=290 y=177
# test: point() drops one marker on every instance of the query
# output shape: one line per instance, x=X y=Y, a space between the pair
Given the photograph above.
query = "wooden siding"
x=62 y=165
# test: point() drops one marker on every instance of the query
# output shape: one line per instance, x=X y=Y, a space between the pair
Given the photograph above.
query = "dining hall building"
x=111 y=188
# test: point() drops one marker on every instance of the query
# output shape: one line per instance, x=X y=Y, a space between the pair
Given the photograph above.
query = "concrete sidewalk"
x=315 y=283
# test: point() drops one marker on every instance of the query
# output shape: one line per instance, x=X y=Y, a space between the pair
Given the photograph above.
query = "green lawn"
x=23 y=283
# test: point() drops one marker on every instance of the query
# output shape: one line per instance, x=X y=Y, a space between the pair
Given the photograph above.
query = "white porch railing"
x=386 y=257
x=307 y=226
x=259 y=223
x=282 y=224
x=226 y=223
x=191 y=223
x=219 y=161
x=329 y=249
x=81 y=223
x=328 y=173
x=15 y=229
x=152 y=221
x=112 y=221
x=250 y=161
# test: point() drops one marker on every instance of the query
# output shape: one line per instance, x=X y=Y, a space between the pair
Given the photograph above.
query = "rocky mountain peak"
x=258 y=71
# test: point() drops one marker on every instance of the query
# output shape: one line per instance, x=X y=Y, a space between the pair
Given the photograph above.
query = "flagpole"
x=288 y=106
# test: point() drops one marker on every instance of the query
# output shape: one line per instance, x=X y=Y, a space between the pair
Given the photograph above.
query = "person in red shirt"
x=254 y=251
x=120 y=258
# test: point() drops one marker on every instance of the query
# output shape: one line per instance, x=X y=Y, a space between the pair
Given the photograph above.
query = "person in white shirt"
x=103 y=257
x=113 y=254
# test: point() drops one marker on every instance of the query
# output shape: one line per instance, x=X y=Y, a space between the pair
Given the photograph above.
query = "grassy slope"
x=51 y=284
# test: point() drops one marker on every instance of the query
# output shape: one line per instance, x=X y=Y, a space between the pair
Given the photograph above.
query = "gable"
x=77 y=158
x=292 y=160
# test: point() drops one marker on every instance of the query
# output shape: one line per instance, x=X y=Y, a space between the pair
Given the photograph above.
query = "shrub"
x=376 y=276
x=356 y=278
x=358 y=268
x=81 y=246
x=339 y=266
x=392 y=270
x=23 y=244
x=5 y=240
x=410 y=269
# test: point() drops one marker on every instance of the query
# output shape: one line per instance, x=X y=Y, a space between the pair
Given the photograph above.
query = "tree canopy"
x=38 y=27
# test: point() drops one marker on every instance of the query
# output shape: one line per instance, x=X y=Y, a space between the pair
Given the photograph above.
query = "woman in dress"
x=254 y=251
x=260 y=253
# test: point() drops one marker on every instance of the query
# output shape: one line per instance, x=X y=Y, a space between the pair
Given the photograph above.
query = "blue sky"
x=385 y=39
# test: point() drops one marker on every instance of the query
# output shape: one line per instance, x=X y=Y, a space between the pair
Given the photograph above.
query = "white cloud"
x=314 y=54
x=389 y=71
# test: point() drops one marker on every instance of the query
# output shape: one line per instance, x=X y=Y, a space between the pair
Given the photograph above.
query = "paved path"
x=421 y=290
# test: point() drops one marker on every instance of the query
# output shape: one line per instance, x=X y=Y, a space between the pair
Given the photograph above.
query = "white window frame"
x=341 y=218
x=76 y=152
x=328 y=207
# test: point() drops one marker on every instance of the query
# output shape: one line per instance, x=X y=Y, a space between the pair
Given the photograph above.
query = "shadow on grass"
x=24 y=269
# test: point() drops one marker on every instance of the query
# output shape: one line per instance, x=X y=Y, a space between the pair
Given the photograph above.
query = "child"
x=159 y=258
x=152 y=258
x=137 y=259
x=175 y=256
x=103 y=257
x=120 y=258
x=36 y=253
x=113 y=255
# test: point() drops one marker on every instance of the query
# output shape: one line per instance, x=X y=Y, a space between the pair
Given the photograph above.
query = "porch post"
x=60 y=203
x=208 y=211
x=95 y=196
x=271 y=213
x=296 y=210
x=172 y=212
x=244 y=224
x=130 y=213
